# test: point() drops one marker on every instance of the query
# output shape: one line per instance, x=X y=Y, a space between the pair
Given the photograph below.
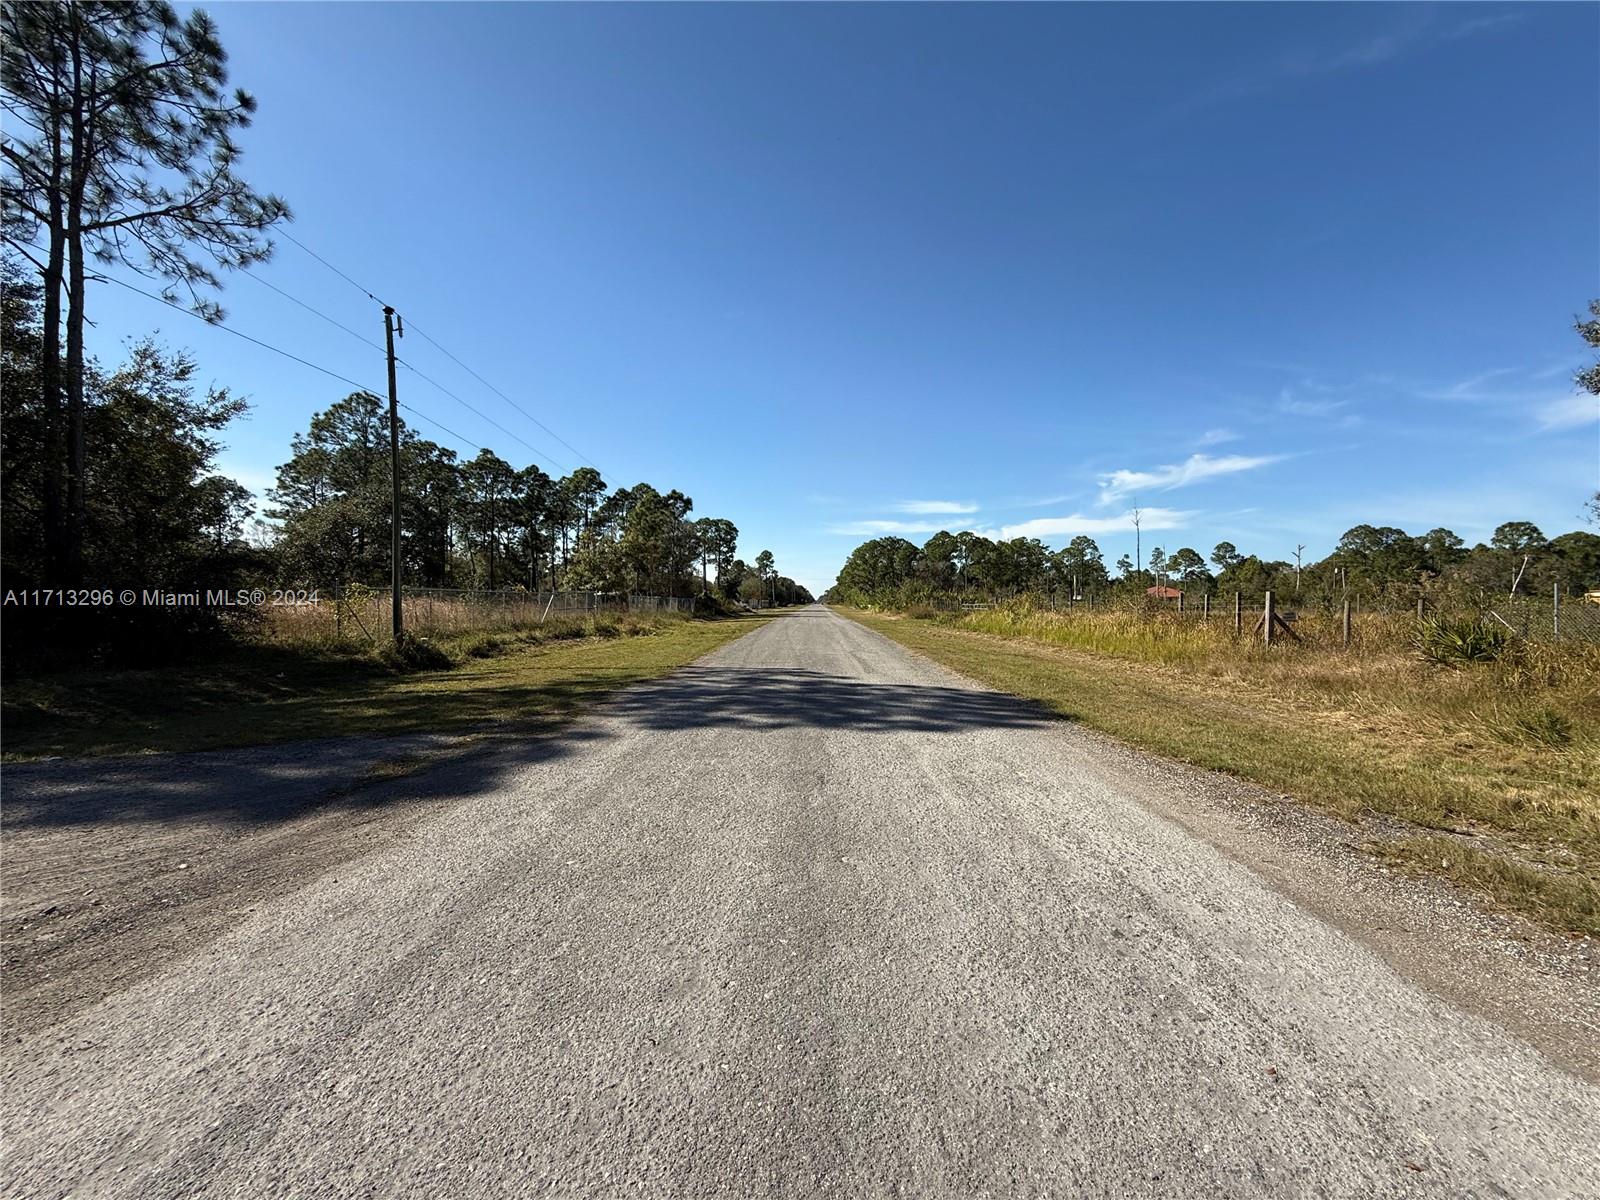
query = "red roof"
x=1163 y=593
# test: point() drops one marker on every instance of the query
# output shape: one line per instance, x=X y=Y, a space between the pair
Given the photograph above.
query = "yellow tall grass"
x=1187 y=639
x=1538 y=698
x=362 y=617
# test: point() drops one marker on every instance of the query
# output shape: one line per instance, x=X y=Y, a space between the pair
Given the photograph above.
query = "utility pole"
x=398 y=617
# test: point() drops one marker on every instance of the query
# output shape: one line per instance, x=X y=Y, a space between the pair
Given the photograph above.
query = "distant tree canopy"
x=483 y=523
x=1370 y=561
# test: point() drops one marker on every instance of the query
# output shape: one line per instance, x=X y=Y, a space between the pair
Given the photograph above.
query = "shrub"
x=1455 y=642
x=605 y=625
x=482 y=645
x=414 y=654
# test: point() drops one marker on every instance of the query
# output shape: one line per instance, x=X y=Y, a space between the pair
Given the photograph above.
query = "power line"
x=425 y=378
x=502 y=395
x=329 y=265
x=236 y=333
x=436 y=345
x=478 y=412
x=431 y=381
x=466 y=442
x=316 y=311
x=286 y=354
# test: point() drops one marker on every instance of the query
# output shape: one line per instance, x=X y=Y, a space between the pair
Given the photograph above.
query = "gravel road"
x=810 y=918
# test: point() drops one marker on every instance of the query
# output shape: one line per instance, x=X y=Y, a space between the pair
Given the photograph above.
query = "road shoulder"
x=1540 y=985
x=118 y=866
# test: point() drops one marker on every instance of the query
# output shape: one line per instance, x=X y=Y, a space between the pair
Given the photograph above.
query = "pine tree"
x=120 y=146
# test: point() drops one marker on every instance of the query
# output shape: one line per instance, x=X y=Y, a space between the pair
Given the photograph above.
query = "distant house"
x=1163 y=593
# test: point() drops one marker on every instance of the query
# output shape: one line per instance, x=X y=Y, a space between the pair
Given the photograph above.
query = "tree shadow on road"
x=267 y=785
x=776 y=698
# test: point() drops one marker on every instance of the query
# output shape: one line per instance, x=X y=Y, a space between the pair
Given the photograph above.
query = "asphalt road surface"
x=810 y=918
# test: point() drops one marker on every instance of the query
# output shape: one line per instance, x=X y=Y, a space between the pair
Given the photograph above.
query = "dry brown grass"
x=361 y=617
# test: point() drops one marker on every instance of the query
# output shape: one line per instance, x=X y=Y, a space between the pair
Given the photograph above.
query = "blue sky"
x=1269 y=271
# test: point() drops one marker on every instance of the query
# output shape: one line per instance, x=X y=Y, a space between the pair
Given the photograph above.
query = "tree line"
x=1371 y=562
x=157 y=512
x=480 y=522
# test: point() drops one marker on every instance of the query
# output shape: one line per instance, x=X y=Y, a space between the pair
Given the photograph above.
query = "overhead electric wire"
x=502 y=395
x=316 y=311
x=437 y=424
x=330 y=266
x=425 y=378
x=431 y=341
x=478 y=412
x=236 y=333
x=296 y=358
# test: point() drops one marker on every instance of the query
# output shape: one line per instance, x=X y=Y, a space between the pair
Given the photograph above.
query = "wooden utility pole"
x=398 y=617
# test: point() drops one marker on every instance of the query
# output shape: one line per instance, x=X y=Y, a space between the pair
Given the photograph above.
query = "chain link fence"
x=1560 y=616
x=364 y=615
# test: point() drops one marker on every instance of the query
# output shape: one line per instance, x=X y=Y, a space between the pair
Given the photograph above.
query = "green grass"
x=1511 y=757
x=275 y=694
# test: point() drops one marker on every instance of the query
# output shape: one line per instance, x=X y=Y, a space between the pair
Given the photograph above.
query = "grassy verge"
x=1499 y=771
x=274 y=694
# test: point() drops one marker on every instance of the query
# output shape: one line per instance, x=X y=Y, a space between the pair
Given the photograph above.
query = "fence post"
x=1347 y=621
x=1267 y=616
x=1555 y=610
x=1205 y=606
x=1238 y=615
x=1419 y=608
x=1180 y=602
x=338 y=611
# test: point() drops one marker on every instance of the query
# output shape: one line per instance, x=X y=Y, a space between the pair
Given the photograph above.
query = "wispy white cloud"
x=1569 y=412
x=876 y=528
x=934 y=506
x=1215 y=437
x=1477 y=389
x=1077 y=523
x=1414 y=30
x=1302 y=406
x=1194 y=469
x=1483 y=25
x=1520 y=394
x=1567 y=366
x=1040 y=527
